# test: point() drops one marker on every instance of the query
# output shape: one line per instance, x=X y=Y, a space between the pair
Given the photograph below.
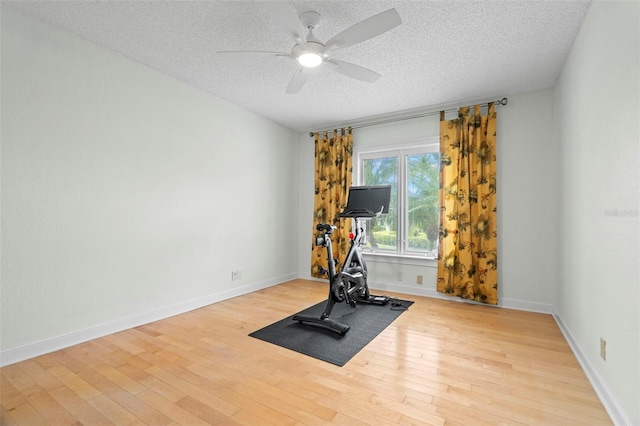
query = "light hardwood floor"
x=440 y=362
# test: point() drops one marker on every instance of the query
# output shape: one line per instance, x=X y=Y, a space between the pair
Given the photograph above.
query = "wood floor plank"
x=78 y=407
x=174 y=411
x=113 y=411
x=26 y=414
x=276 y=403
x=166 y=390
x=50 y=409
x=11 y=396
x=132 y=403
x=40 y=376
x=83 y=389
x=204 y=411
x=194 y=392
x=458 y=414
x=5 y=418
x=441 y=362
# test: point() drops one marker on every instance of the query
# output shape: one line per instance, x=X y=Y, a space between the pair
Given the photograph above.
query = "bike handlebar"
x=325 y=227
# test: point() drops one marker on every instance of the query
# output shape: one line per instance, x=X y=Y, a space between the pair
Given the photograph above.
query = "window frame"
x=401 y=152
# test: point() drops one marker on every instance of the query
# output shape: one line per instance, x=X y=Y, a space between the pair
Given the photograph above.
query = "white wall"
x=598 y=102
x=127 y=195
x=527 y=194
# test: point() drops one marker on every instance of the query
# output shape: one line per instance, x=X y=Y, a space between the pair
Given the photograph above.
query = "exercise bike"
x=350 y=284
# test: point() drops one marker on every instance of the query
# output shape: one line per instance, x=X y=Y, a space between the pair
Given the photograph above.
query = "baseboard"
x=31 y=350
x=429 y=292
x=609 y=401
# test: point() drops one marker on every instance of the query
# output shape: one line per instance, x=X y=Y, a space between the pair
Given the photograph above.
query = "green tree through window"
x=411 y=226
x=422 y=202
x=382 y=231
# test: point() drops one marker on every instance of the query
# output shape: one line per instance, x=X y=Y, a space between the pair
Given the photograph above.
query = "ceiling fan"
x=310 y=52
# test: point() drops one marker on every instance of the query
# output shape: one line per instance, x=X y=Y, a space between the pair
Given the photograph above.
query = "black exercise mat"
x=366 y=322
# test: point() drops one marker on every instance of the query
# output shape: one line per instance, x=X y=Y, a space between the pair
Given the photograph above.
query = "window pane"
x=422 y=202
x=382 y=231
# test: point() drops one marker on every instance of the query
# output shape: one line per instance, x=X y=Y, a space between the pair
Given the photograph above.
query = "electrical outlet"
x=419 y=279
x=603 y=349
x=400 y=276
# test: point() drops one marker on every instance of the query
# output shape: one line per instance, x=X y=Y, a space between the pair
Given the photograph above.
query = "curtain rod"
x=502 y=101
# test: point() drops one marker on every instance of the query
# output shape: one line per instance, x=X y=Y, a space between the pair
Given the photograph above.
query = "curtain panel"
x=333 y=176
x=467 y=251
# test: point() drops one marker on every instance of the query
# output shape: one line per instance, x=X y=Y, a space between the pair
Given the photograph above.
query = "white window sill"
x=400 y=259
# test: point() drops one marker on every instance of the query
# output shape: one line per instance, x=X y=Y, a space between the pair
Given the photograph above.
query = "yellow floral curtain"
x=467 y=251
x=333 y=168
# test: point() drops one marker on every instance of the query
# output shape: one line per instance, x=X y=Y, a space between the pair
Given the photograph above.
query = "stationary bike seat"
x=353 y=270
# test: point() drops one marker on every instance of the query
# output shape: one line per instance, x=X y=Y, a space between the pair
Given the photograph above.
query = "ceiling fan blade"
x=297 y=81
x=353 y=70
x=251 y=55
x=288 y=19
x=365 y=30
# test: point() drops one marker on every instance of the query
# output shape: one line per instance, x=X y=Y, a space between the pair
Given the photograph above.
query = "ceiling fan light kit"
x=310 y=52
x=310 y=55
x=310 y=59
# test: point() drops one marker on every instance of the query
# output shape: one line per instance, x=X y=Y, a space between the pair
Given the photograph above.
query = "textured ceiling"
x=443 y=52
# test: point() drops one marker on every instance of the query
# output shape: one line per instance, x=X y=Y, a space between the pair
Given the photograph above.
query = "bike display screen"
x=372 y=199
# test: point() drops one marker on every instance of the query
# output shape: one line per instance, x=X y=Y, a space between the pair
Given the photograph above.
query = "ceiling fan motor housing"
x=310 y=19
x=310 y=47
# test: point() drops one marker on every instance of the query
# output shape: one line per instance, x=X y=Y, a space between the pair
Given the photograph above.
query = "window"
x=411 y=226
